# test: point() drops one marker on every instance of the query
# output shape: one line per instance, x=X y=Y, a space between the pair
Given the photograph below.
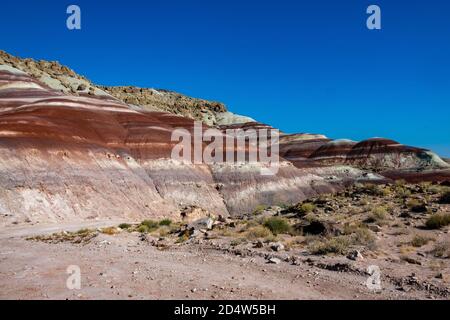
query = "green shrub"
x=306 y=208
x=124 y=226
x=277 y=225
x=438 y=220
x=150 y=224
x=143 y=228
x=165 y=222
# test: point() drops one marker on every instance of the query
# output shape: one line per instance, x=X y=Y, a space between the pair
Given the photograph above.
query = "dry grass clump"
x=81 y=236
x=419 y=241
x=438 y=220
x=376 y=190
x=109 y=231
x=379 y=214
x=337 y=245
x=353 y=236
x=415 y=205
x=442 y=250
x=258 y=232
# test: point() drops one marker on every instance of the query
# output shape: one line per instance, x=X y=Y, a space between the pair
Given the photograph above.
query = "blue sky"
x=301 y=66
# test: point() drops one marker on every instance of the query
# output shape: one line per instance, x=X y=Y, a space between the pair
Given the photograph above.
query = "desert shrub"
x=165 y=222
x=143 y=228
x=442 y=250
x=277 y=225
x=445 y=198
x=164 y=231
x=434 y=189
x=259 y=209
x=306 y=208
x=125 y=226
x=378 y=214
x=110 y=231
x=403 y=193
x=84 y=231
x=438 y=220
x=376 y=190
x=257 y=232
x=400 y=183
x=419 y=241
x=362 y=236
x=415 y=205
x=183 y=237
x=150 y=224
x=337 y=245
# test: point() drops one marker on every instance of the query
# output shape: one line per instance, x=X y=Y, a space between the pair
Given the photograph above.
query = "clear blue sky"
x=302 y=66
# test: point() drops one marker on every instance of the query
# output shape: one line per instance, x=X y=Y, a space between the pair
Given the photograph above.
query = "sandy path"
x=123 y=267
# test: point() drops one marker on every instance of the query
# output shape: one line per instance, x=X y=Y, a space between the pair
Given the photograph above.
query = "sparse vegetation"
x=337 y=245
x=376 y=190
x=306 y=208
x=258 y=232
x=143 y=229
x=259 y=209
x=438 y=220
x=277 y=225
x=442 y=250
x=379 y=214
x=81 y=236
x=109 y=230
x=148 y=226
x=419 y=241
x=165 y=222
x=125 y=226
x=415 y=205
x=445 y=198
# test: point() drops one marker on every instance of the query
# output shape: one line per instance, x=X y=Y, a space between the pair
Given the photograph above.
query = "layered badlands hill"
x=74 y=151
x=64 y=79
x=80 y=157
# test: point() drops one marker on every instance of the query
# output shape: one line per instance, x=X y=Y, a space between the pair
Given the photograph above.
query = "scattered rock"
x=202 y=224
x=258 y=244
x=375 y=228
x=278 y=246
x=274 y=260
x=355 y=255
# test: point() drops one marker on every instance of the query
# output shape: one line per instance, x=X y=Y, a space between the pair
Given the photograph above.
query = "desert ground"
x=319 y=249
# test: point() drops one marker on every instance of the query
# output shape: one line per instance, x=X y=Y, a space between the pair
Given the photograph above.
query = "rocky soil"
x=318 y=249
